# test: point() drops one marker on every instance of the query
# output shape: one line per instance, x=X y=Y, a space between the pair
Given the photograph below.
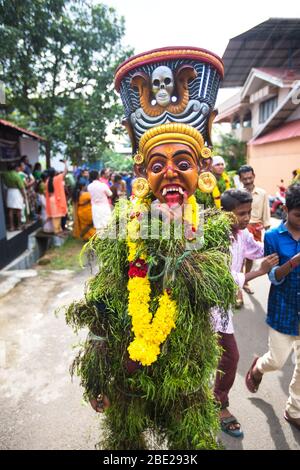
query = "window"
x=236 y=122
x=247 y=119
x=266 y=108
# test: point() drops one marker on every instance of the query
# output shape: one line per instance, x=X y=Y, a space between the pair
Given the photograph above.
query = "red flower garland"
x=138 y=268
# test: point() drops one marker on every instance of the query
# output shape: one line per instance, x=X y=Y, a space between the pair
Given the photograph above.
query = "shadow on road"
x=275 y=426
x=231 y=443
x=296 y=434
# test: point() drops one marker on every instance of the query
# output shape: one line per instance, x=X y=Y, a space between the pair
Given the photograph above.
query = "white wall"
x=282 y=94
x=29 y=147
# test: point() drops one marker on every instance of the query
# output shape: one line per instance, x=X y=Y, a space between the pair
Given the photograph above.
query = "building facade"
x=14 y=143
x=265 y=111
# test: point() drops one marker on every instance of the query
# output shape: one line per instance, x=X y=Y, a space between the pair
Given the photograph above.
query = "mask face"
x=172 y=170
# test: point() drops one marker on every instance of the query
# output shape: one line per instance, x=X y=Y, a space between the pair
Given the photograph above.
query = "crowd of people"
x=94 y=196
x=79 y=199
x=85 y=198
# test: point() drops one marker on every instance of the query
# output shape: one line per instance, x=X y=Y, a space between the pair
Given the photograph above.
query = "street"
x=42 y=409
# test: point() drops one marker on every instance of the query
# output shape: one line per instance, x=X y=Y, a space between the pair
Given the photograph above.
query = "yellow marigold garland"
x=216 y=192
x=150 y=331
x=192 y=213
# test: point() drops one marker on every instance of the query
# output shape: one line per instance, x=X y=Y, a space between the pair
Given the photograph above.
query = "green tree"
x=232 y=150
x=58 y=59
x=117 y=161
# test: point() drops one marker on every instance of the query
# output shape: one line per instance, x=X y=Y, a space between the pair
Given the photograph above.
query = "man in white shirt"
x=260 y=213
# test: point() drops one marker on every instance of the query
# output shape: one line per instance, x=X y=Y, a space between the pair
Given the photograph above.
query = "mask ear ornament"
x=206 y=152
x=207 y=182
x=140 y=187
x=138 y=158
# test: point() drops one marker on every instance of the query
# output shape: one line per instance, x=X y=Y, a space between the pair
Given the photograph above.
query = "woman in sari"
x=56 y=203
x=82 y=210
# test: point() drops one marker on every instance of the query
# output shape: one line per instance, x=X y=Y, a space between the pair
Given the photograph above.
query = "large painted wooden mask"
x=169 y=96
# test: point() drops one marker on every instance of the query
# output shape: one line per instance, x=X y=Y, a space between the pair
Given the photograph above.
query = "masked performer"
x=151 y=354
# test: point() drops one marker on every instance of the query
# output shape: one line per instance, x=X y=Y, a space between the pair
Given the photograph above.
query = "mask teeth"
x=173 y=190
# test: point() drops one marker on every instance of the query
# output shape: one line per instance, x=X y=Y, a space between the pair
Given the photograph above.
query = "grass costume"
x=151 y=348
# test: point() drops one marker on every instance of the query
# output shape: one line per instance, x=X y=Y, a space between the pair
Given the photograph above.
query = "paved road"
x=41 y=408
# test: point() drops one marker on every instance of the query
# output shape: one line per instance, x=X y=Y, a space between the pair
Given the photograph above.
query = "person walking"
x=100 y=192
x=242 y=245
x=56 y=202
x=283 y=313
x=118 y=189
x=105 y=176
x=260 y=215
x=82 y=212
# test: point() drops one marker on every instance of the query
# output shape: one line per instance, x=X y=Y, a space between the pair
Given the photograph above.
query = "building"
x=15 y=142
x=264 y=63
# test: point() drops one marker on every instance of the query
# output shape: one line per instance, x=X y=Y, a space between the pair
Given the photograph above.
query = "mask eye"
x=184 y=165
x=157 y=167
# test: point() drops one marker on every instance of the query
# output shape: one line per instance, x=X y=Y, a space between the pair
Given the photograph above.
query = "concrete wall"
x=295 y=115
x=273 y=162
x=243 y=133
x=255 y=117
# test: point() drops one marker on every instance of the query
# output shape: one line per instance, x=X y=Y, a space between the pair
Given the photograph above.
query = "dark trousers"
x=227 y=368
x=63 y=222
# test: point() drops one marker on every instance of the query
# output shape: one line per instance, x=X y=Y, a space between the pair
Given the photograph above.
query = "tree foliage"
x=58 y=59
x=232 y=150
x=117 y=161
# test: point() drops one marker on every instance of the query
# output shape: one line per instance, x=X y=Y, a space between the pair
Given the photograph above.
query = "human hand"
x=175 y=212
x=100 y=404
x=268 y=263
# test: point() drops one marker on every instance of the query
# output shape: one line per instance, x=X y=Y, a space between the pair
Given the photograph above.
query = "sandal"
x=293 y=421
x=228 y=423
x=251 y=383
x=239 y=303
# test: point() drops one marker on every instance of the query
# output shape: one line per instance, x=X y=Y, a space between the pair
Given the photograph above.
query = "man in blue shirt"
x=283 y=316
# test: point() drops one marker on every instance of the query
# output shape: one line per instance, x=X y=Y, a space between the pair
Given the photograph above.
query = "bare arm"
x=285 y=269
x=267 y=264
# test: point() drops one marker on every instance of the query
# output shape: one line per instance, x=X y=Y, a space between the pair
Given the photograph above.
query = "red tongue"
x=172 y=199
